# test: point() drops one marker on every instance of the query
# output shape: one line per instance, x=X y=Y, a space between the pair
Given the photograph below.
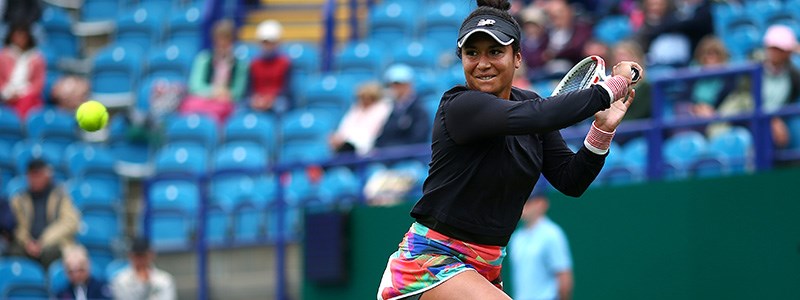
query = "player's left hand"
x=609 y=119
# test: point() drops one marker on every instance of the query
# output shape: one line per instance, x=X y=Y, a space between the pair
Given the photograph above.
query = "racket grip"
x=634 y=75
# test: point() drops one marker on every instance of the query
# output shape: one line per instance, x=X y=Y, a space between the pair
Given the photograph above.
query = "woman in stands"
x=22 y=70
x=490 y=144
x=218 y=78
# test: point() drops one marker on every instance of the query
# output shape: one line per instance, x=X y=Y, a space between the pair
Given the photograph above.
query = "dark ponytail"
x=503 y=5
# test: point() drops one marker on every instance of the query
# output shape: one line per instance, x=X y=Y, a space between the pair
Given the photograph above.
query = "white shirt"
x=361 y=126
x=126 y=286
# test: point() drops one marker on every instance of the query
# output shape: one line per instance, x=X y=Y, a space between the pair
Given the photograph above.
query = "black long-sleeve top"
x=488 y=153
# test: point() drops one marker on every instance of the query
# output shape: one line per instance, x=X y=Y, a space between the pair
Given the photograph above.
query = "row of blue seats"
x=22 y=278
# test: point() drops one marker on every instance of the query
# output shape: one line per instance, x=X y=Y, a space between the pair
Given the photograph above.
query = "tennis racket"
x=588 y=71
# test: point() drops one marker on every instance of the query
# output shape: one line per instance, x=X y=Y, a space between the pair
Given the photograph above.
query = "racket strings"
x=580 y=79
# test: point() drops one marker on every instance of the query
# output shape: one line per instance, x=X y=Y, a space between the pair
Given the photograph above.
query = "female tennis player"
x=490 y=144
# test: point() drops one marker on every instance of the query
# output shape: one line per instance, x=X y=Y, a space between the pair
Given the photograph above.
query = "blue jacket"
x=95 y=289
x=407 y=124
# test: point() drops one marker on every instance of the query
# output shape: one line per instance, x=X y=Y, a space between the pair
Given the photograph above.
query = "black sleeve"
x=570 y=173
x=473 y=115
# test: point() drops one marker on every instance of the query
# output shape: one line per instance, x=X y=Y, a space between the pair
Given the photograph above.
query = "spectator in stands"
x=781 y=81
x=596 y=47
x=22 y=70
x=218 y=78
x=567 y=35
x=630 y=51
x=363 y=122
x=534 y=40
x=82 y=284
x=142 y=280
x=269 y=72
x=539 y=253
x=70 y=91
x=408 y=123
x=7 y=225
x=708 y=94
x=674 y=38
x=47 y=219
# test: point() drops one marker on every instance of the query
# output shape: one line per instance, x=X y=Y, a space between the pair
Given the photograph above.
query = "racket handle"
x=634 y=75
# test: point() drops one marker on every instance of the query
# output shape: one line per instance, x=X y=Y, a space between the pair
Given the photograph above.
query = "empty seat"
x=115 y=73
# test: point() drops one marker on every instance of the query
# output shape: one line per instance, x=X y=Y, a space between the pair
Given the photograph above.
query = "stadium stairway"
x=302 y=20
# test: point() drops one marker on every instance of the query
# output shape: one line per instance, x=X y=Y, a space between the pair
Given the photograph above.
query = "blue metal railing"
x=654 y=129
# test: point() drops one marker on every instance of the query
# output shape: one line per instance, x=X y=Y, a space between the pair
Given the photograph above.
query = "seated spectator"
x=22 y=70
x=678 y=32
x=630 y=51
x=82 y=284
x=363 y=122
x=781 y=81
x=708 y=94
x=567 y=35
x=69 y=92
x=534 y=40
x=408 y=123
x=46 y=218
x=218 y=78
x=141 y=280
x=269 y=72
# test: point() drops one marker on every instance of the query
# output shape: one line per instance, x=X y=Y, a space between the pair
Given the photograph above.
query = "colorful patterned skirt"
x=426 y=258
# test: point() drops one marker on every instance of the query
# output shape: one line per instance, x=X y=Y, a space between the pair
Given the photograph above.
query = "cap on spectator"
x=533 y=15
x=781 y=37
x=140 y=246
x=399 y=73
x=36 y=164
x=269 y=30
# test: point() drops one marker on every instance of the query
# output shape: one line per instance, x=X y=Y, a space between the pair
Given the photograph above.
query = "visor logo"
x=485 y=22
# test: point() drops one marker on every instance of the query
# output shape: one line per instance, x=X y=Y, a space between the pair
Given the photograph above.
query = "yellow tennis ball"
x=91 y=116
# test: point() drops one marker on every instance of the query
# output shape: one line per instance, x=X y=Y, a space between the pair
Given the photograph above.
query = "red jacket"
x=268 y=77
x=36 y=77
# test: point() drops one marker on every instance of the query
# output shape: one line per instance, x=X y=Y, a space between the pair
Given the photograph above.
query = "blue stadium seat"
x=192 y=128
x=24 y=151
x=635 y=153
x=185 y=27
x=363 y=58
x=173 y=209
x=253 y=127
x=240 y=155
x=98 y=229
x=612 y=29
x=58 y=27
x=246 y=51
x=56 y=276
x=416 y=55
x=256 y=196
x=170 y=61
x=115 y=74
x=305 y=151
x=22 y=278
x=330 y=93
x=51 y=124
x=392 y=23
x=15 y=185
x=218 y=226
x=141 y=26
x=95 y=193
x=307 y=125
x=10 y=125
x=305 y=57
x=723 y=13
x=341 y=184
x=743 y=37
x=84 y=159
x=96 y=17
x=760 y=11
x=443 y=21
x=181 y=158
x=681 y=151
x=7 y=165
x=733 y=148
